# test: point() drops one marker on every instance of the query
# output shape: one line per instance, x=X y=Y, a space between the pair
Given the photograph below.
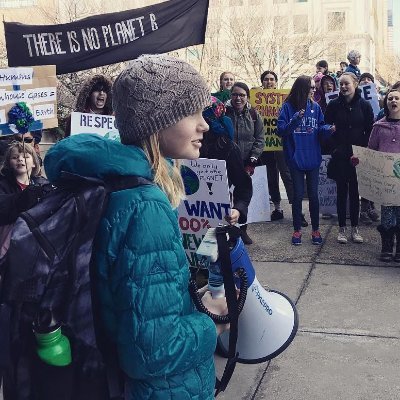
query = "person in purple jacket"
x=385 y=137
x=300 y=124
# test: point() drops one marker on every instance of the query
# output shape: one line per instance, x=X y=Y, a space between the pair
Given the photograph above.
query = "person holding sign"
x=248 y=132
x=300 y=124
x=94 y=98
x=385 y=137
x=165 y=347
x=353 y=118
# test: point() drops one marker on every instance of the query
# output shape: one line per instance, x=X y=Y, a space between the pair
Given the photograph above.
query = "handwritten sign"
x=35 y=86
x=368 y=92
x=207 y=202
x=268 y=103
x=378 y=176
x=326 y=189
x=259 y=208
x=103 y=125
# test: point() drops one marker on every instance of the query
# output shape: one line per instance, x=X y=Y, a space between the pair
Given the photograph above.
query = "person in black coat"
x=353 y=118
x=217 y=144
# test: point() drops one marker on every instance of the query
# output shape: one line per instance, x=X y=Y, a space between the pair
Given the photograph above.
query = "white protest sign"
x=103 y=125
x=207 y=202
x=378 y=176
x=326 y=189
x=16 y=76
x=259 y=209
x=368 y=92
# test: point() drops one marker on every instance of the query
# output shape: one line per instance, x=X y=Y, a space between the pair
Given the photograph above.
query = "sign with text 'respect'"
x=207 y=201
x=103 y=125
x=326 y=189
x=268 y=103
x=378 y=176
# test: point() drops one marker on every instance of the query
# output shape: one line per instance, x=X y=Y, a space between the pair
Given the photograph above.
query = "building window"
x=280 y=1
x=390 y=18
x=336 y=21
x=301 y=1
x=17 y=3
x=300 y=23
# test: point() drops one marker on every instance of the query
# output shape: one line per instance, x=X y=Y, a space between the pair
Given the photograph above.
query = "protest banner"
x=368 y=92
x=207 y=202
x=108 y=38
x=268 y=103
x=259 y=208
x=103 y=125
x=35 y=86
x=378 y=176
x=326 y=189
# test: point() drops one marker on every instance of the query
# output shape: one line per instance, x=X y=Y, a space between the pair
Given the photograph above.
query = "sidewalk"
x=348 y=343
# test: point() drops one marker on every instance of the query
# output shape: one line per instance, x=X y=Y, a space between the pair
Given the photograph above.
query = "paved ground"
x=348 y=343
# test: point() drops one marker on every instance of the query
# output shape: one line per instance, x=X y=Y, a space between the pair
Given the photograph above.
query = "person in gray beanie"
x=165 y=346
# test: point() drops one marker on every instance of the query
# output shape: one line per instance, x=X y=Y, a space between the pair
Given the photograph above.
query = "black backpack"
x=47 y=275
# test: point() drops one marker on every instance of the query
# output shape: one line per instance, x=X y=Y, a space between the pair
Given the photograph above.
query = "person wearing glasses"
x=300 y=124
x=248 y=132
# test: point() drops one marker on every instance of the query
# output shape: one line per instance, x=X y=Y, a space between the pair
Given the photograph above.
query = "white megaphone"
x=268 y=322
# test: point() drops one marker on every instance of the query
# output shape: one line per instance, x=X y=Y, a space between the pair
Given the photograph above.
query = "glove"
x=250 y=166
x=29 y=197
x=354 y=161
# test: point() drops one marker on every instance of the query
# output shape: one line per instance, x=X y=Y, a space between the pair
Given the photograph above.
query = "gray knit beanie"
x=155 y=92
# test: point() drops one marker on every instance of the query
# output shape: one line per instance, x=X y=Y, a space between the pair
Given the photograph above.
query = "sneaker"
x=355 y=235
x=316 y=237
x=341 y=237
x=246 y=238
x=276 y=215
x=304 y=222
x=364 y=218
x=373 y=215
x=296 y=238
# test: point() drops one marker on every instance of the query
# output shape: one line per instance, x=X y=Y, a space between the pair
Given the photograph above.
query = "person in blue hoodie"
x=300 y=124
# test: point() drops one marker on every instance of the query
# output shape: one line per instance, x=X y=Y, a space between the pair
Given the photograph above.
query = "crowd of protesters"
x=189 y=123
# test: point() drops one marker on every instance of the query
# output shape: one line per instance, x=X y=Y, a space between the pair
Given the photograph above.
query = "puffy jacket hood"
x=96 y=157
x=85 y=92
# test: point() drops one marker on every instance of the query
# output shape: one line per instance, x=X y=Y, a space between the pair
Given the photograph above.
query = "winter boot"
x=397 y=255
x=245 y=237
x=387 y=236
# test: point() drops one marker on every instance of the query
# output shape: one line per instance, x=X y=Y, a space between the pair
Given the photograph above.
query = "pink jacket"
x=385 y=136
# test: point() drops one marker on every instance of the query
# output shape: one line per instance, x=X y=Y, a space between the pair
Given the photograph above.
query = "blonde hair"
x=352 y=76
x=22 y=148
x=166 y=176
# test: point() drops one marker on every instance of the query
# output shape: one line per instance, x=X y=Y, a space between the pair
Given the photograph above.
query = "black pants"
x=348 y=186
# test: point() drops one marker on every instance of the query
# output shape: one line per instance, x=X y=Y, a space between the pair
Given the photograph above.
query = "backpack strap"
x=253 y=114
x=118 y=183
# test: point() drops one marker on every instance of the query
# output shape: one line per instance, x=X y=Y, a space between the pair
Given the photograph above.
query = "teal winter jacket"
x=165 y=346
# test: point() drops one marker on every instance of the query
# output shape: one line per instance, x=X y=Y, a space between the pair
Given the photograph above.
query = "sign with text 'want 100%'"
x=207 y=202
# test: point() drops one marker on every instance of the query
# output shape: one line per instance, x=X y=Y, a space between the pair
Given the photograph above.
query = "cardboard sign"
x=378 y=176
x=259 y=208
x=35 y=86
x=326 y=189
x=103 y=125
x=268 y=103
x=207 y=202
x=368 y=92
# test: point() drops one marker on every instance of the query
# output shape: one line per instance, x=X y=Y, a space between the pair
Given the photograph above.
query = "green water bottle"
x=53 y=347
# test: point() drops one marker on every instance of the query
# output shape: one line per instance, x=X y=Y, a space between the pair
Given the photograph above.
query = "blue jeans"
x=298 y=192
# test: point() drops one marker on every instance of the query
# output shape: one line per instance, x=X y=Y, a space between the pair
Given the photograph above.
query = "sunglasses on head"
x=26 y=140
